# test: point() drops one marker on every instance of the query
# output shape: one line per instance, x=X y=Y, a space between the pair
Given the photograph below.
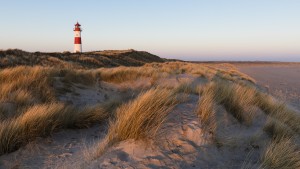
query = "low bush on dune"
x=141 y=118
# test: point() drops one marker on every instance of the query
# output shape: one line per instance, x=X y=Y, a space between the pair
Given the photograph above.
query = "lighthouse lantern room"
x=77 y=38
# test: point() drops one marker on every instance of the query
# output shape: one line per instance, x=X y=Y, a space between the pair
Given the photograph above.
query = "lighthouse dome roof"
x=77 y=24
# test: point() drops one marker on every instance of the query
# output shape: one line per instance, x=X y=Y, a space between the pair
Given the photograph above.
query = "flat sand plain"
x=282 y=80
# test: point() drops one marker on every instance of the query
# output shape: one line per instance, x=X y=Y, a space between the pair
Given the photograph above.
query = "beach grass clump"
x=85 y=77
x=186 y=87
x=277 y=129
x=237 y=99
x=122 y=74
x=206 y=108
x=39 y=120
x=42 y=120
x=26 y=83
x=141 y=118
x=281 y=154
x=279 y=110
x=90 y=115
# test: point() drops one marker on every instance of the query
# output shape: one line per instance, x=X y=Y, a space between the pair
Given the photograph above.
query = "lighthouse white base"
x=77 y=48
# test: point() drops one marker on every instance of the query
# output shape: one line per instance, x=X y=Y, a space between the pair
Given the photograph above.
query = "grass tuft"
x=281 y=154
x=42 y=120
x=206 y=109
x=237 y=99
x=279 y=110
x=277 y=129
x=141 y=118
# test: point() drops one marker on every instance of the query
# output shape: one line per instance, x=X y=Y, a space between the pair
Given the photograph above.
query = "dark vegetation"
x=87 y=60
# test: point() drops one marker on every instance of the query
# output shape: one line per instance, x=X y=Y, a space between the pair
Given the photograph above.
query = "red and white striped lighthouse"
x=77 y=38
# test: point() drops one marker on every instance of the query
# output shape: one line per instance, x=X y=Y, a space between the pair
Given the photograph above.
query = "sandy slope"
x=281 y=80
x=180 y=135
x=182 y=142
x=52 y=152
x=71 y=148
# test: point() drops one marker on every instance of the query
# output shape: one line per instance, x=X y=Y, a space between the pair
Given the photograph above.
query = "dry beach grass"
x=234 y=115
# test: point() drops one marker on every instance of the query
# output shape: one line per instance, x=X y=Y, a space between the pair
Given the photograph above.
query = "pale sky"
x=184 y=29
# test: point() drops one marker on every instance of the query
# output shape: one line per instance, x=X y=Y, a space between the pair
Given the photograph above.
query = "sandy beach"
x=280 y=80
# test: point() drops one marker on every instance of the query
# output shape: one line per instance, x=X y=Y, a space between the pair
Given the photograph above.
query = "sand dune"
x=218 y=118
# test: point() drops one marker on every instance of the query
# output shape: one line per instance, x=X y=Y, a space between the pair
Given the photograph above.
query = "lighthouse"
x=77 y=38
